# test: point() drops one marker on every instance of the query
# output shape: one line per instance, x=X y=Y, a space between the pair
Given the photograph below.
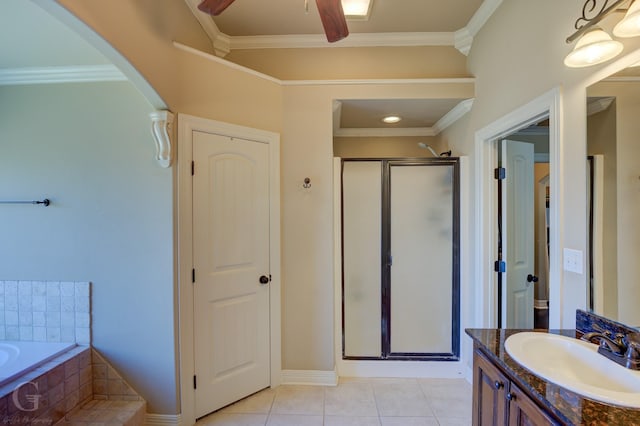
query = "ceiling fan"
x=331 y=14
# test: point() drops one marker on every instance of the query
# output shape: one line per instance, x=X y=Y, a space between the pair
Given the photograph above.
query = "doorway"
x=400 y=259
x=486 y=242
x=523 y=227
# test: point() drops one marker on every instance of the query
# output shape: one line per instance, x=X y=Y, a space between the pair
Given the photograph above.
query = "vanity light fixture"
x=391 y=119
x=630 y=24
x=594 y=45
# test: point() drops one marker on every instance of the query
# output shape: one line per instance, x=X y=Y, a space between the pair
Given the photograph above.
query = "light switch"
x=573 y=260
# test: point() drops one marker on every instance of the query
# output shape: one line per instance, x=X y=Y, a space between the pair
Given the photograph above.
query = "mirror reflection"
x=613 y=107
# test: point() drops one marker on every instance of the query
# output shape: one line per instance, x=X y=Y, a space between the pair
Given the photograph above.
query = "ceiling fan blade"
x=333 y=20
x=214 y=7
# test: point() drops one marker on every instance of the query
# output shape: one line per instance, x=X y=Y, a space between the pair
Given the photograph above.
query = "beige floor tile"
x=350 y=399
x=446 y=387
x=454 y=421
x=306 y=400
x=354 y=402
x=401 y=400
x=259 y=403
x=294 y=420
x=233 y=419
x=351 y=421
x=378 y=380
x=409 y=421
x=451 y=406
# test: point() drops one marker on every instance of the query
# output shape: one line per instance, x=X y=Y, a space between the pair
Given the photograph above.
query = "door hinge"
x=193 y=275
x=194 y=382
x=500 y=173
x=500 y=266
x=193 y=168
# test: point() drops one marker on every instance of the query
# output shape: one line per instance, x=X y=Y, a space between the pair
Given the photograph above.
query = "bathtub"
x=17 y=358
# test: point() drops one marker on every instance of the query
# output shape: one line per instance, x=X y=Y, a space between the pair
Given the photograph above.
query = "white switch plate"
x=572 y=260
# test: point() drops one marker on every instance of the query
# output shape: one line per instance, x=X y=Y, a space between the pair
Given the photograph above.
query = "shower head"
x=431 y=150
x=425 y=146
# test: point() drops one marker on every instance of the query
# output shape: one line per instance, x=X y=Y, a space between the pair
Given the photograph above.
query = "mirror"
x=613 y=130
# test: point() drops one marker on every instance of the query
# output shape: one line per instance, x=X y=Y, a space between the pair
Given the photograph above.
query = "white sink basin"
x=575 y=365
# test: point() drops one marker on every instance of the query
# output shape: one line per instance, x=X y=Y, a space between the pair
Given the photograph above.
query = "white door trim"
x=186 y=125
x=485 y=196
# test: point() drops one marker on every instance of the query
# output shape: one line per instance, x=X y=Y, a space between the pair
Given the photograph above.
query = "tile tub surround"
x=59 y=386
x=69 y=389
x=45 y=311
x=565 y=404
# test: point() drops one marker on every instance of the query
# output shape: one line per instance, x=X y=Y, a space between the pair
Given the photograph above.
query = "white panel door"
x=518 y=243
x=231 y=254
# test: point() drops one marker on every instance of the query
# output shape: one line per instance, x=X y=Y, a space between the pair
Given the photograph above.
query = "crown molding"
x=62 y=74
x=220 y=42
x=454 y=115
x=390 y=81
x=599 y=105
x=462 y=39
x=464 y=36
x=622 y=79
x=354 y=40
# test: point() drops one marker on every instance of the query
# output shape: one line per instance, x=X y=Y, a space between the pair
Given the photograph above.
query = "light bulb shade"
x=594 y=47
x=630 y=24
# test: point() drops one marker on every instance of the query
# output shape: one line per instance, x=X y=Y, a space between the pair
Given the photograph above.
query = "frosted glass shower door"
x=361 y=230
x=400 y=252
x=421 y=218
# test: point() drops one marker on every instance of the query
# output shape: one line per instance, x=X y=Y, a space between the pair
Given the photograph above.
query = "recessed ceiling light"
x=356 y=9
x=390 y=119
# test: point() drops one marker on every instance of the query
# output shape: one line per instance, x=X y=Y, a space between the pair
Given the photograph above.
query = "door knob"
x=532 y=278
x=264 y=279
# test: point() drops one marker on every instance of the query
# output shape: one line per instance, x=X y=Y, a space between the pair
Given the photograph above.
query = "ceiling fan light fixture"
x=630 y=24
x=594 y=47
x=391 y=119
x=357 y=9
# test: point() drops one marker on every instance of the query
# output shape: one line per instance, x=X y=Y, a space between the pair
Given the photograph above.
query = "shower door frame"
x=385 y=266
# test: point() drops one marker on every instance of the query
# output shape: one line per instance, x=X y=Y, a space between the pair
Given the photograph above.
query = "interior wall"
x=307 y=217
x=144 y=31
x=88 y=148
x=337 y=63
x=383 y=147
x=628 y=187
x=535 y=66
x=601 y=139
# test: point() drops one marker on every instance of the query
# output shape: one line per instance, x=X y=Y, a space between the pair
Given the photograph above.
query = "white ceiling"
x=415 y=113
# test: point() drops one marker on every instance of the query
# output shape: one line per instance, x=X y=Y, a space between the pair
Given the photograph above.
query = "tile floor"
x=354 y=402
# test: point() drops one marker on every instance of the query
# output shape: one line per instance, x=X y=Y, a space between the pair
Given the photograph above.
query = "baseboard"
x=309 y=377
x=403 y=369
x=163 y=419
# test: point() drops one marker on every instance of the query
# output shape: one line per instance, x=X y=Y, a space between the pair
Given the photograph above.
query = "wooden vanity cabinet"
x=497 y=401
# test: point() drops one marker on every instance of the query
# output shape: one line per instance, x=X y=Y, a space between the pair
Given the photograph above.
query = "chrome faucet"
x=624 y=350
x=616 y=346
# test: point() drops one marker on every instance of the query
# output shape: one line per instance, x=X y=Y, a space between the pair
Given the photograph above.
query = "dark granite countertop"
x=568 y=406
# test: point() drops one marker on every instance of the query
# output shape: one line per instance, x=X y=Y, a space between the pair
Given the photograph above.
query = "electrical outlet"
x=572 y=260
